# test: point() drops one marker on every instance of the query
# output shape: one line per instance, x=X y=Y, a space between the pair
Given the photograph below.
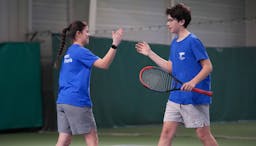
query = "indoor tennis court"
x=227 y=134
x=126 y=113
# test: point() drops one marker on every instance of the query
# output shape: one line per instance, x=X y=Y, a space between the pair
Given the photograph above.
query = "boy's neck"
x=183 y=33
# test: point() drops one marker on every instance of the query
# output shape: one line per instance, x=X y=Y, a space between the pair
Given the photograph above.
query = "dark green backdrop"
x=119 y=99
x=233 y=80
x=20 y=86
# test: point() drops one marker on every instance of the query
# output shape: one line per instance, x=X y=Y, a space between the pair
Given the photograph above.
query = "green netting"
x=20 y=86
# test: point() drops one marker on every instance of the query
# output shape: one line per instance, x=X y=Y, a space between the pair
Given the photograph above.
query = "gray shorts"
x=75 y=120
x=192 y=116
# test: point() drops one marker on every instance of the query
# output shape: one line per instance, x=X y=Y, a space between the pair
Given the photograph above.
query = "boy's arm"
x=205 y=71
x=164 y=64
x=144 y=48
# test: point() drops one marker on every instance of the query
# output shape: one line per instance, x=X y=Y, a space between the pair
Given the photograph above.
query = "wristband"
x=114 y=46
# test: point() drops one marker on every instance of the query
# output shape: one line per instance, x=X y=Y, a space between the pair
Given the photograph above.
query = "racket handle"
x=208 y=93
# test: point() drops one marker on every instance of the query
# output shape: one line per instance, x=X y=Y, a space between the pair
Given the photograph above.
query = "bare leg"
x=206 y=137
x=167 y=134
x=64 y=139
x=91 y=138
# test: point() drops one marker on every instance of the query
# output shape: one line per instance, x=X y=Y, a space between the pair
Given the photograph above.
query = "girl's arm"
x=105 y=62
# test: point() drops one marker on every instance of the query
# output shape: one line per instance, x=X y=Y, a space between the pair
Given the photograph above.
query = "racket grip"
x=208 y=93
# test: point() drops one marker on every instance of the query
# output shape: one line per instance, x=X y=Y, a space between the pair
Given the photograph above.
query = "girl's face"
x=173 y=24
x=84 y=35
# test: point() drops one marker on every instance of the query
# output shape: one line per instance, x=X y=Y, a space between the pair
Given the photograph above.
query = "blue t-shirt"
x=185 y=56
x=74 y=78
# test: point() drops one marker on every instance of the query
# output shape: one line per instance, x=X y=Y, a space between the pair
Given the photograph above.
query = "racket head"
x=155 y=78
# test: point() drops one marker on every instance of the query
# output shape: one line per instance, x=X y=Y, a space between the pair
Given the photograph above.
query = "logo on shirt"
x=182 y=55
x=67 y=59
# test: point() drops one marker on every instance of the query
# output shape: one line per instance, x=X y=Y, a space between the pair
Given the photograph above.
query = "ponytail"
x=61 y=49
x=71 y=30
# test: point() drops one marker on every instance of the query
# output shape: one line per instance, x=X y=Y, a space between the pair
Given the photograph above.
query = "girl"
x=74 y=105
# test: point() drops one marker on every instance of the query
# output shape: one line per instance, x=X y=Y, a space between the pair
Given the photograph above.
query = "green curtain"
x=20 y=86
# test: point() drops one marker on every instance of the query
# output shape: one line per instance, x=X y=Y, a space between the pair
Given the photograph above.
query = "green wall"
x=20 y=86
x=233 y=79
x=118 y=96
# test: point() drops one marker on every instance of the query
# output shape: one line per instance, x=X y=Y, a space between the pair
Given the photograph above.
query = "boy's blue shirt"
x=185 y=56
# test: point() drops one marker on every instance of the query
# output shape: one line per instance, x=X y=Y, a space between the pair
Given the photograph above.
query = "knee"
x=64 y=142
x=203 y=135
x=92 y=138
x=68 y=142
x=167 y=133
x=207 y=138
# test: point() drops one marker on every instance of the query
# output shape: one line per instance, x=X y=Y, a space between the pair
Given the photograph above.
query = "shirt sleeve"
x=86 y=57
x=199 y=50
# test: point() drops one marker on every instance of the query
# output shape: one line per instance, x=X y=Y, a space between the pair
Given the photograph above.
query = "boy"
x=189 y=62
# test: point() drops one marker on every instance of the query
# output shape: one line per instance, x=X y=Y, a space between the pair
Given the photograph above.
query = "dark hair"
x=180 y=12
x=69 y=31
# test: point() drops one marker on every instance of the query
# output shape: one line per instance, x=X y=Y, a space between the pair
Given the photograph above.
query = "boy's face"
x=173 y=24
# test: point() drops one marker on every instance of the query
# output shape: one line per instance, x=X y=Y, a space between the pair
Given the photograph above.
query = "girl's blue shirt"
x=74 y=78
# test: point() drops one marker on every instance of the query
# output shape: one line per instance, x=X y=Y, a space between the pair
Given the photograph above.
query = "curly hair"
x=180 y=12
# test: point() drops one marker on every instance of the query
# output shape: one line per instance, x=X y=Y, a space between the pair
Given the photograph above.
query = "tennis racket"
x=157 y=79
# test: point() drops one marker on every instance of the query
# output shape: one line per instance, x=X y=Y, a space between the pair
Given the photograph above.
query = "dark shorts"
x=75 y=120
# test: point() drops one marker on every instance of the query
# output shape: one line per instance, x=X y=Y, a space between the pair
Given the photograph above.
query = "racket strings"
x=157 y=79
x=166 y=83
